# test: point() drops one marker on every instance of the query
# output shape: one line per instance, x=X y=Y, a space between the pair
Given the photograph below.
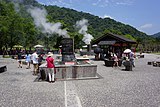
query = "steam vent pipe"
x=89 y=48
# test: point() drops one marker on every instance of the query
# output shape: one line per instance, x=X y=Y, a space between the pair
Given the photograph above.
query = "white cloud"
x=146 y=26
x=101 y=3
x=62 y=3
x=107 y=16
x=124 y=2
x=71 y=1
x=104 y=3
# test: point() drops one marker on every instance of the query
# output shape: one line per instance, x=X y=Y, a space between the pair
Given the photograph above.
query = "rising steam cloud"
x=82 y=25
x=41 y=22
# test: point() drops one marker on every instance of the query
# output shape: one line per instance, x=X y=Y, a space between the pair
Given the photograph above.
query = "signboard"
x=67 y=46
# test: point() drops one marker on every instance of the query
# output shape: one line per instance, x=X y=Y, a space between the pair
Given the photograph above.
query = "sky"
x=143 y=15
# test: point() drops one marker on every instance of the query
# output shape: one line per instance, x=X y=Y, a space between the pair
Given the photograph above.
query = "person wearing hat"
x=50 y=67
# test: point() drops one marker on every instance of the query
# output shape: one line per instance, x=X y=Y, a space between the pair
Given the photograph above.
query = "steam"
x=82 y=25
x=16 y=4
x=39 y=16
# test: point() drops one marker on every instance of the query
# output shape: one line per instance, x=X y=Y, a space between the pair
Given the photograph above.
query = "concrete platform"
x=73 y=72
x=115 y=88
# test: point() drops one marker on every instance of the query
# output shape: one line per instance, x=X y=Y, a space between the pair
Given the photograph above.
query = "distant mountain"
x=97 y=25
x=19 y=27
x=68 y=17
x=24 y=2
x=157 y=35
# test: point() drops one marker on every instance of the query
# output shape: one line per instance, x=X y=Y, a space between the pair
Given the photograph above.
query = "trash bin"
x=128 y=65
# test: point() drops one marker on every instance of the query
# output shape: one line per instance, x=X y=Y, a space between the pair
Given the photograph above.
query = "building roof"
x=106 y=42
x=112 y=37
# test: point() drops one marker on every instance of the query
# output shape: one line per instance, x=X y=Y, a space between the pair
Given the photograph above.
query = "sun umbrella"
x=85 y=46
x=127 y=51
x=94 y=45
x=97 y=50
x=38 y=46
x=17 y=46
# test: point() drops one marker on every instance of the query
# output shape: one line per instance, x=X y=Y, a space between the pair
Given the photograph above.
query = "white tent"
x=94 y=45
x=38 y=46
x=85 y=46
x=17 y=46
x=127 y=51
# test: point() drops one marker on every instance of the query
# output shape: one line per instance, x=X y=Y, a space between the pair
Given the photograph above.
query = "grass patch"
x=6 y=56
x=157 y=53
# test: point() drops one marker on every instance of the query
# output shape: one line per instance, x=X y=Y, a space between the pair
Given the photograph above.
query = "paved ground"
x=115 y=88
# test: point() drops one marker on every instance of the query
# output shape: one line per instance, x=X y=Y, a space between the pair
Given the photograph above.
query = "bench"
x=156 y=64
x=109 y=63
x=150 y=63
x=3 y=68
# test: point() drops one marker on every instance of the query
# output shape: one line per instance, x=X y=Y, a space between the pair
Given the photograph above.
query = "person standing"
x=50 y=67
x=115 y=58
x=131 y=58
x=60 y=51
x=35 y=63
x=19 y=59
x=40 y=59
x=28 y=60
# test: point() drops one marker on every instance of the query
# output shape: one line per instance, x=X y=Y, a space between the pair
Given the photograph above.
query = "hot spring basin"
x=67 y=72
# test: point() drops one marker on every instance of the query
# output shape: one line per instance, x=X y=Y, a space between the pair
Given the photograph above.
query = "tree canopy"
x=17 y=26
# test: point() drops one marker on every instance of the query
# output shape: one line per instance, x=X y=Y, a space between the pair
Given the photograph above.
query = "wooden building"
x=113 y=43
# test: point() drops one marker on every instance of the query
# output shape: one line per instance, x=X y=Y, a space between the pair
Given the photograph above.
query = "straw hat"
x=50 y=54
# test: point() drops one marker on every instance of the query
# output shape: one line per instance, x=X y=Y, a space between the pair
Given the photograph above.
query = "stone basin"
x=76 y=71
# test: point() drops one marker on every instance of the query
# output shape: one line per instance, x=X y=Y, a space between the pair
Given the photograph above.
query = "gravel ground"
x=114 y=88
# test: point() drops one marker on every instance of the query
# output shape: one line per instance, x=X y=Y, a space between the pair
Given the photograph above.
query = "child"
x=115 y=58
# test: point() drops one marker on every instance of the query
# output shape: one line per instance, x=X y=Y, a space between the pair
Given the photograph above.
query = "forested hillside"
x=97 y=25
x=18 y=27
x=157 y=35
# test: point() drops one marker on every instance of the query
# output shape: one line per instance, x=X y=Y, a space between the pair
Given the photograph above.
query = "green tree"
x=15 y=29
x=29 y=32
x=130 y=37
